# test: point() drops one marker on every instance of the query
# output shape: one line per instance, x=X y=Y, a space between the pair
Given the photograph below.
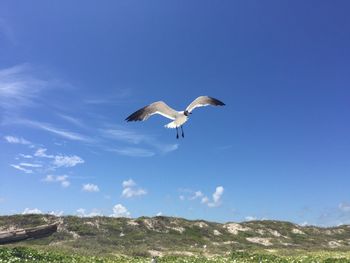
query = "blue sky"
x=70 y=73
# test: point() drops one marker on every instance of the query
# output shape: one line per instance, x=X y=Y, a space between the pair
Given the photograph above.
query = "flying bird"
x=179 y=117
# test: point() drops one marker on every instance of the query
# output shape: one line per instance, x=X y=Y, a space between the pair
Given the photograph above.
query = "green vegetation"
x=106 y=239
x=20 y=254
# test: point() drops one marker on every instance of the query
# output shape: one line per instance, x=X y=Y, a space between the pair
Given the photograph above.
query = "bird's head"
x=187 y=113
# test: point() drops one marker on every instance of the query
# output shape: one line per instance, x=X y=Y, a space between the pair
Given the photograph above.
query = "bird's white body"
x=180 y=119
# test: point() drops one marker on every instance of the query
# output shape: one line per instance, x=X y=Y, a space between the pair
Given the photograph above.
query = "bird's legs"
x=183 y=134
x=177 y=133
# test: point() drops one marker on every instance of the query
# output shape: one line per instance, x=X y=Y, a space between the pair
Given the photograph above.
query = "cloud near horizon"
x=131 y=190
x=120 y=211
x=216 y=196
x=92 y=188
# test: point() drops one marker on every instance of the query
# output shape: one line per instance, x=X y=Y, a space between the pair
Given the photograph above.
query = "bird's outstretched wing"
x=203 y=101
x=158 y=107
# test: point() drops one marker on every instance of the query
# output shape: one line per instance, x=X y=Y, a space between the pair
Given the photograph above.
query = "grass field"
x=21 y=254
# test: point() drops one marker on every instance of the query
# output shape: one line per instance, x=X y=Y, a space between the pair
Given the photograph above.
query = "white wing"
x=204 y=101
x=158 y=107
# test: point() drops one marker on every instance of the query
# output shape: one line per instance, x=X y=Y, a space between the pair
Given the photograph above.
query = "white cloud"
x=305 y=223
x=49 y=178
x=345 y=207
x=218 y=194
x=216 y=197
x=60 y=160
x=250 y=218
x=82 y=213
x=159 y=214
x=18 y=167
x=33 y=165
x=56 y=213
x=61 y=179
x=31 y=211
x=67 y=161
x=120 y=211
x=65 y=184
x=16 y=140
x=90 y=188
x=205 y=200
x=196 y=195
x=130 y=190
x=128 y=183
x=2 y=200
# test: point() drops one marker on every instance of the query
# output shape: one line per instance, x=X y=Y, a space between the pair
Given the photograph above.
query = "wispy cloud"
x=20 y=168
x=131 y=190
x=41 y=152
x=124 y=135
x=133 y=152
x=32 y=165
x=120 y=95
x=16 y=140
x=90 y=188
x=26 y=156
x=52 y=129
x=20 y=87
x=150 y=145
x=120 y=211
x=71 y=119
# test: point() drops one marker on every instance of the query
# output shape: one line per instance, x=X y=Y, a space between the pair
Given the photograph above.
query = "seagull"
x=178 y=117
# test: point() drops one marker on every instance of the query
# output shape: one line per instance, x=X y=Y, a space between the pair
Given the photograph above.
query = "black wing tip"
x=136 y=116
x=217 y=102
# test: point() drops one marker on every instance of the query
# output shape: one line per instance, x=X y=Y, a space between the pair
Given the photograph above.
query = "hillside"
x=163 y=235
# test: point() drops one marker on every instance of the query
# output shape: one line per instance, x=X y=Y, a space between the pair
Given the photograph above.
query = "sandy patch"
x=260 y=240
x=133 y=223
x=233 y=228
x=297 y=231
x=334 y=244
x=217 y=233
x=201 y=224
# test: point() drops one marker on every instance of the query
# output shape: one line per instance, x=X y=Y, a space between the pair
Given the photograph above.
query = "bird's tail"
x=171 y=125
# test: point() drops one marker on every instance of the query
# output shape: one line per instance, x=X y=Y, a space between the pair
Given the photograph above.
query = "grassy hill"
x=146 y=236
